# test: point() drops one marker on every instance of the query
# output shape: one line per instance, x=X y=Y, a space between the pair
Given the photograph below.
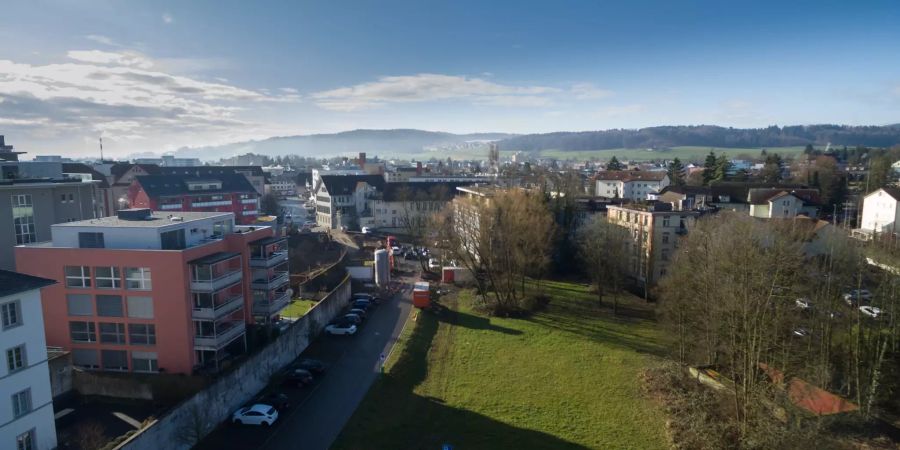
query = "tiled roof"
x=206 y=171
x=119 y=169
x=173 y=185
x=84 y=168
x=759 y=196
x=346 y=184
x=12 y=283
x=393 y=192
x=630 y=175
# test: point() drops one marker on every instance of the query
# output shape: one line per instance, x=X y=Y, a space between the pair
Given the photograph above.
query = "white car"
x=339 y=329
x=801 y=332
x=258 y=414
x=366 y=230
x=803 y=303
x=434 y=264
x=871 y=311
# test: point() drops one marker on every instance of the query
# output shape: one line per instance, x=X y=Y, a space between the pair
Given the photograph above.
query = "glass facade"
x=23 y=218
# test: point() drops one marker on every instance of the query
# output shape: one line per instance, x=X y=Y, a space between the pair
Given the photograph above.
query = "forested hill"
x=708 y=135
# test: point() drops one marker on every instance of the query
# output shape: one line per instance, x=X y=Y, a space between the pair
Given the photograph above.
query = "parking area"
x=318 y=411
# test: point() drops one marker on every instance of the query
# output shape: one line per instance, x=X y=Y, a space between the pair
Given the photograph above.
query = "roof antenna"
x=101 y=149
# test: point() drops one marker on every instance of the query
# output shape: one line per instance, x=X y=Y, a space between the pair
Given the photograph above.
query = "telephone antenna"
x=101 y=149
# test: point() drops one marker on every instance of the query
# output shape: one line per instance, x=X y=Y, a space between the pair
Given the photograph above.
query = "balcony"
x=273 y=259
x=217 y=284
x=224 y=335
x=218 y=311
x=272 y=307
x=276 y=280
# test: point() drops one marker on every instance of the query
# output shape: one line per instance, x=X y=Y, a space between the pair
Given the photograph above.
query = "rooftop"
x=157 y=219
x=631 y=175
x=12 y=283
x=174 y=185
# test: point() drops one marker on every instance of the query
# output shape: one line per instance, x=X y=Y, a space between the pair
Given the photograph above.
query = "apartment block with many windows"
x=153 y=291
x=26 y=415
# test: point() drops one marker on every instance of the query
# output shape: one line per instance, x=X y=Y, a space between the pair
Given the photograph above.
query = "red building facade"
x=222 y=193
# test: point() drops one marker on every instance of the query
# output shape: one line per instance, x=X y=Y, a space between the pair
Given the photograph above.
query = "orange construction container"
x=421 y=295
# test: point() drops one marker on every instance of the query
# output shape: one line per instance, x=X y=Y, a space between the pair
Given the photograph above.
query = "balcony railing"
x=272 y=307
x=227 y=307
x=218 y=283
x=273 y=259
x=222 y=338
x=277 y=280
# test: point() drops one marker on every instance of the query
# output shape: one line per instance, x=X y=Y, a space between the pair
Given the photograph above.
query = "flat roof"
x=158 y=219
x=12 y=283
x=214 y=258
x=268 y=240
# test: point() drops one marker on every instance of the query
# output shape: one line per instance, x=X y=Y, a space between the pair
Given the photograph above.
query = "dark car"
x=312 y=365
x=359 y=312
x=352 y=318
x=368 y=297
x=298 y=377
x=280 y=401
x=411 y=255
x=362 y=304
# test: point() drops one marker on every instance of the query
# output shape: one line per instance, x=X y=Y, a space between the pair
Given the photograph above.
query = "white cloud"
x=588 y=91
x=128 y=58
x=426 y=87
x=127 y=98
x=99 y=38
x=167 y=18
x=289 y=90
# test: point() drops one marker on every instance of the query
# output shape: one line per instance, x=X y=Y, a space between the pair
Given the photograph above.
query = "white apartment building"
x=26 y=416
x=629 y=184
x=881 y=213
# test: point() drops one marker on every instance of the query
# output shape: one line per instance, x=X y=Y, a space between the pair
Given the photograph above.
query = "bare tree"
x=602 y=250
x=90 y=435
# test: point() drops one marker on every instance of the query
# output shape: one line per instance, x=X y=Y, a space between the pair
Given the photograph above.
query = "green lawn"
x=298 y=308
x=567 y=377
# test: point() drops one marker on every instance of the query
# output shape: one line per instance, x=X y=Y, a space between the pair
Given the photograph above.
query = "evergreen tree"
x=722 y=168
x=809 y=150
x=614 y=164
x=709 y=168
x=676 y=172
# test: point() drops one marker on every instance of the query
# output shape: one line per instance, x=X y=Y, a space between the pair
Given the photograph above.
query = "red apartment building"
x=151 y=291
x=226 y=192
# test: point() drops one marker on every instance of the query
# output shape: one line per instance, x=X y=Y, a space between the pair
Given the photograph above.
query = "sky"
x=154 y=76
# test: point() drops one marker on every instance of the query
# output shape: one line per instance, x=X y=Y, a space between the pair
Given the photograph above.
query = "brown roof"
x=630 y=175
x=764 y=195
x=893 y=192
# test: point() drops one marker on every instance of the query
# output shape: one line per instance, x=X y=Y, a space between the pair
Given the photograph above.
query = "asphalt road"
x=323 y=408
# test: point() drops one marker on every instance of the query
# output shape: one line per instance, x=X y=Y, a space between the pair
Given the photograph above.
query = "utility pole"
x=101 y=149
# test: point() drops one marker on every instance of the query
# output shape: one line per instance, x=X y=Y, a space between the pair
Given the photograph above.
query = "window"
x=85 y=358
x=62 y=198
x=137 y=278
x=78 y=276
x=71 y=198
x=112 y=333
x=140 y=307
x=21 y=403
x=114 y=359
x=142 y=333
x=665 y=238
x=90 y=240
x=25 y=441
x=10 y=313
x=665 y=221
x=83 y=331
x=23 y=218
x=15 y=358
x=80 y=304
x=144 y=362
x=110 y=306
x=172 y=240
x=664 y=254
x=108 y=277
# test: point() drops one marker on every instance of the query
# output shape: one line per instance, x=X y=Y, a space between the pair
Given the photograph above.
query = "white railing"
x=217 y=283
x=229 y=306
x=170 y=206
x=214 y=203
x=221 y=339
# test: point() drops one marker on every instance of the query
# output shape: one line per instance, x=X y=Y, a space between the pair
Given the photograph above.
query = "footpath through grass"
x=566 y=377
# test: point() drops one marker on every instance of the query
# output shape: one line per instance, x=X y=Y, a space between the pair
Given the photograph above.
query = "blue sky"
x=155 y=76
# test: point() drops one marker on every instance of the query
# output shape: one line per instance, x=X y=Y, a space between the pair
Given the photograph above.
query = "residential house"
x=150 y=291
x=254 y=174
x=630 y=185
x=881 y=214
x=654 y=230
x=341 y=199
x=26 y=419
x=226 y=192
x=770 y=203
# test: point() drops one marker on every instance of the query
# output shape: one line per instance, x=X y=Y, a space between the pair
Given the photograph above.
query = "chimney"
x=418 y=168
x=362 y=160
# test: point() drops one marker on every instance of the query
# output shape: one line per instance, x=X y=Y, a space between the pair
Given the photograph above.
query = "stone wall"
x=194 y=418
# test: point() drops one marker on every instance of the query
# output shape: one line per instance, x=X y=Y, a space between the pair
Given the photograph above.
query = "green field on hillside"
x=566 y=377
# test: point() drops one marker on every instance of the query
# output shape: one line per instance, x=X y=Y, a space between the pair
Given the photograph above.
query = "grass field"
x=298 y=308
x=566 y=377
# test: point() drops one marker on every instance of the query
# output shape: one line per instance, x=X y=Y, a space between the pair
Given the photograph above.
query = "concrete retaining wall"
x=187 y=423
x=362 y=272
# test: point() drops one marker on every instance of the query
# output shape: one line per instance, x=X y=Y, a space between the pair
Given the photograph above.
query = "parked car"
x=411 y=255
x=395 y=250
x=340 y=328
x=359 y=312
x=855 y=296
x=278 y=400
x=800 y=332
x=309 y=223
x=312 y=365
x=366 y=230
x=351 y=318
x=871 y=311
x=803 y=303
x=368 y=297
x=362 y=304
x=297 y=377
x=434 y=264
x=258 y=414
